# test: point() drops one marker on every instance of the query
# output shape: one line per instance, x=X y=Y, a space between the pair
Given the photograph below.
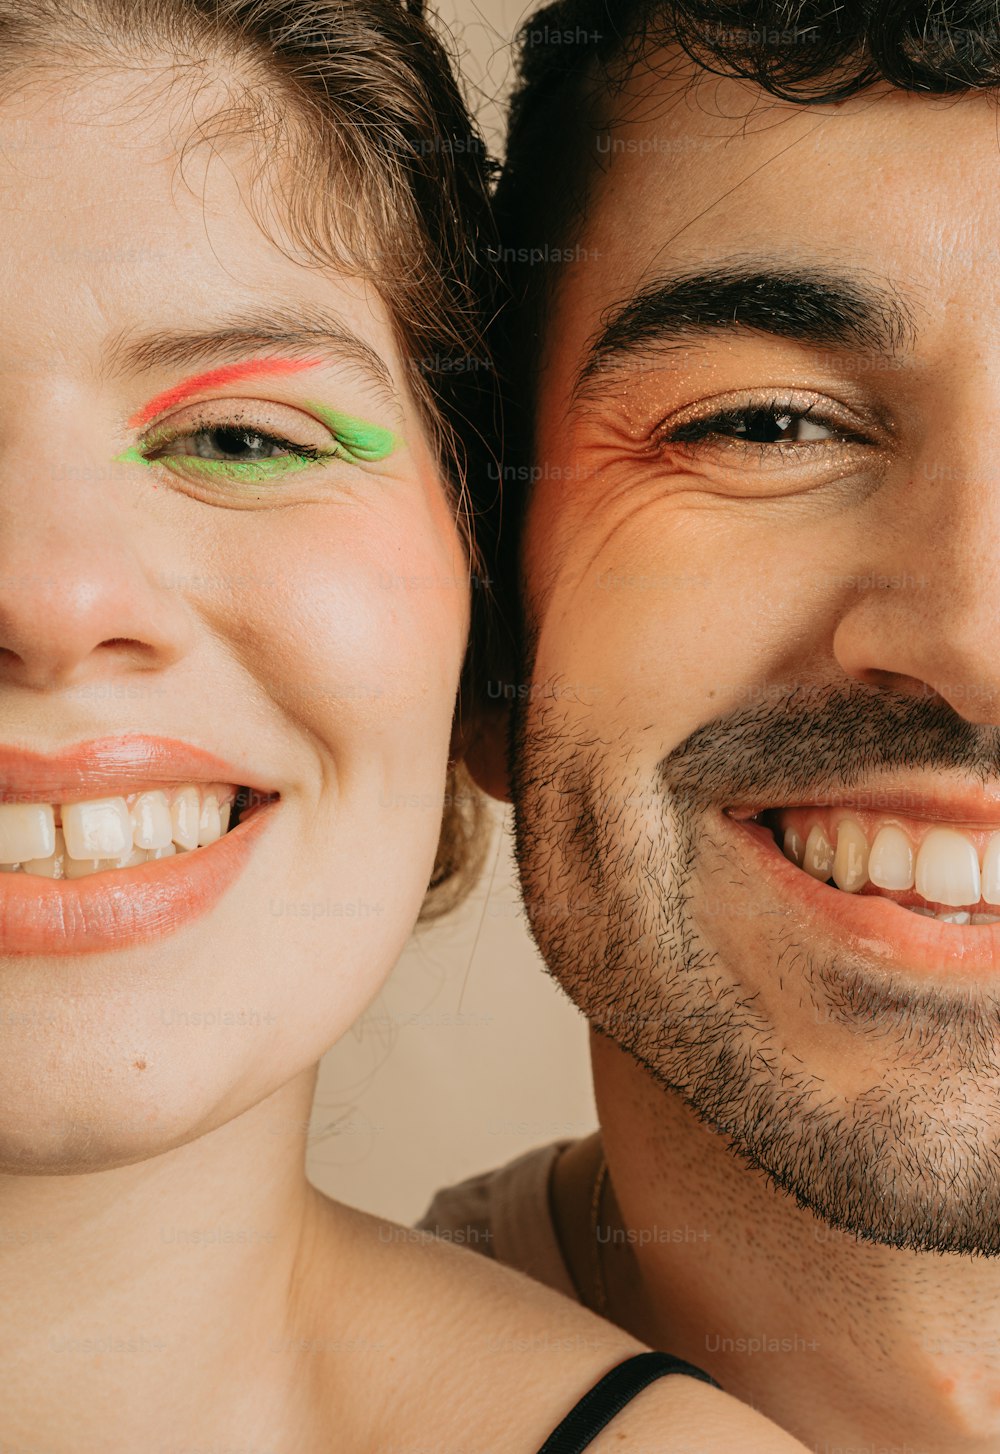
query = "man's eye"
x=777 y=424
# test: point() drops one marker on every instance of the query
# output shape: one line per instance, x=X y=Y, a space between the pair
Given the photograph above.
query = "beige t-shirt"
x=505 y=1214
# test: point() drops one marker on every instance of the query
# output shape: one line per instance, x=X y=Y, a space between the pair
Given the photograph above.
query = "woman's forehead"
x=154 y=255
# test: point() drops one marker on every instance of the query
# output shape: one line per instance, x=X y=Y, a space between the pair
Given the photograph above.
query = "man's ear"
x=480 y=738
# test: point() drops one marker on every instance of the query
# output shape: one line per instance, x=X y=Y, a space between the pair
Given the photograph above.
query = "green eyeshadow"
x=364 y=441
x=228 y=469
x=356 y=440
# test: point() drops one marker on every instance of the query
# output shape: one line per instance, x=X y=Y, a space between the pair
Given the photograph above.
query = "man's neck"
x=841 y=1342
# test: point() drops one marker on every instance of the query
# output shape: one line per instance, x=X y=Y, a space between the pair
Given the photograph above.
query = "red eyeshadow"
x=251 y=368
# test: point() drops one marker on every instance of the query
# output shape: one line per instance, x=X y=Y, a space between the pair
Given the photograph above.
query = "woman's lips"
x=119 y=908
x=868 y=924
x=124 y=763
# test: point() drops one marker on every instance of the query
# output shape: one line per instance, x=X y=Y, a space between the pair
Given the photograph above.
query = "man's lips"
x=946 y=847
x=870 y=926
x=117 y=765
x=923 y=797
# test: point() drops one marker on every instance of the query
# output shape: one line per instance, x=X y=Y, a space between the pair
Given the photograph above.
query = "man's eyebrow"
x=299 y=331
x=808 y=304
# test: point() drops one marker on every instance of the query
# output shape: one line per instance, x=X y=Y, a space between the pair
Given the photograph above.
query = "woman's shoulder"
x=475 y=1306
x=480 y=1358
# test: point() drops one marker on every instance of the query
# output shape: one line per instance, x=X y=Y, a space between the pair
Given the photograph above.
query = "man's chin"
x=869 y=1097
x=869 y=1100
x=879 y=1182
x=896 y=1142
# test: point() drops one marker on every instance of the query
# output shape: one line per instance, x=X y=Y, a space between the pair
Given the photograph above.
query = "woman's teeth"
x=71 y=840
x=953 y=869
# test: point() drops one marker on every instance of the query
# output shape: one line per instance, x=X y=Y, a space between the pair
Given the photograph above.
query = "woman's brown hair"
x=353 y=105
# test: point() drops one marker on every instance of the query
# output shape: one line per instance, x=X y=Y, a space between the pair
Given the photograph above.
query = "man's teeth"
x=943 y=866
x=71 y=840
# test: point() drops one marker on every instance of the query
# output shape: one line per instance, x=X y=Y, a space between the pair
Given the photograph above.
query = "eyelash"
x=298 y=456
x=697 y=431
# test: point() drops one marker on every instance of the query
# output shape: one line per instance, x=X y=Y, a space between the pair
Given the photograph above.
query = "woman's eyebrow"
x=229 y=373
x=306 y=340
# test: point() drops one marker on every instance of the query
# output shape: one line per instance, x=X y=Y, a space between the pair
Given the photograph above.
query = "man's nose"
x=928 y=621
x=85 y=579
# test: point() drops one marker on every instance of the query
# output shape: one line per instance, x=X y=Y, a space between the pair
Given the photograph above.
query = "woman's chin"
x=110 y=1059
x=78 y=1120
x=74 y=1147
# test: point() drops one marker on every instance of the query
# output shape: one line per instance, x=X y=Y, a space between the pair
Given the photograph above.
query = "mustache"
x=801 y=742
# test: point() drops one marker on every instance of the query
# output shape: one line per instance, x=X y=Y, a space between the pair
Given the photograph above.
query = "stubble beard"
x=608 y=863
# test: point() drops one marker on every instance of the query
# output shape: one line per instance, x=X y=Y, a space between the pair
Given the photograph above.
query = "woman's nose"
x=88 y=578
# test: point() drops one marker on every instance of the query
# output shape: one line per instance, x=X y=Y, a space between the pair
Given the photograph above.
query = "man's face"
x=793 y=605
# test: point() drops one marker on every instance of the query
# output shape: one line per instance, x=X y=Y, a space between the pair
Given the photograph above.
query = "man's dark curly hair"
x=572 y=56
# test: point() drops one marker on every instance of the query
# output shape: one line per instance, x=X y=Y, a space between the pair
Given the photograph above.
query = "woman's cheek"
x=347 y=616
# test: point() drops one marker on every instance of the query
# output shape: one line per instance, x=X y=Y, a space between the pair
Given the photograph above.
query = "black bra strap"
x=610 y=1395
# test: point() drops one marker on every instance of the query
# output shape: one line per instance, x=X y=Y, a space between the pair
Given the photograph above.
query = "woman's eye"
x=776 y=424
x=239 y=451
x=228 y=441
x=236 y=450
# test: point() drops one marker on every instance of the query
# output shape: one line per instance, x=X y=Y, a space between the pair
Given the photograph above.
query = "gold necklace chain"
x=600 y=1302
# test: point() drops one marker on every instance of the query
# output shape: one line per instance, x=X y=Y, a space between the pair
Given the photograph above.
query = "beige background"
x=472 y=1053
x=482 y=31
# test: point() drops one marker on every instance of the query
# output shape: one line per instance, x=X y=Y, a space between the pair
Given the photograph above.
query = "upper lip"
x=107 y=766
x=924 y=797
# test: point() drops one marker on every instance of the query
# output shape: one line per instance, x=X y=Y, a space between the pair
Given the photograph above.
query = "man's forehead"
x=675 y=145
x=659 y=86
x=774 y=226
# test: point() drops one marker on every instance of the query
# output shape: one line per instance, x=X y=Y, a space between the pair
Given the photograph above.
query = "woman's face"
x=306 y=624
